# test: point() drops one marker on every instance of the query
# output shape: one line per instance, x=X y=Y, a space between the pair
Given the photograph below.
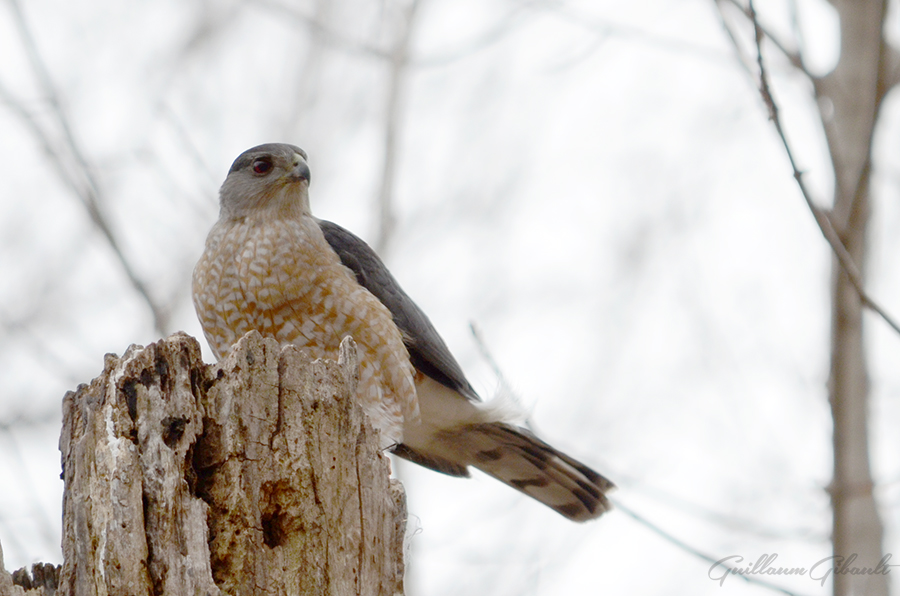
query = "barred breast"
x=281 y=278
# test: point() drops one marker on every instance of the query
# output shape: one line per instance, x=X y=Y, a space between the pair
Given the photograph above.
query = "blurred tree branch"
x=684 y=546
x=71 y=163
x=327 y=34
x=731 y=522
x=393 y=117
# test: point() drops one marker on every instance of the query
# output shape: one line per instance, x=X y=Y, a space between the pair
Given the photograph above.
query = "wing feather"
x=427 y=350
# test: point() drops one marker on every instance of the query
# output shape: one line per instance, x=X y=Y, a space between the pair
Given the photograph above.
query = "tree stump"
x=256 y=475
x=42 y=580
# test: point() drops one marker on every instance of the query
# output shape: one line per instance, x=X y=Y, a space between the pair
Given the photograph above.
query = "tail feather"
x=518 y=458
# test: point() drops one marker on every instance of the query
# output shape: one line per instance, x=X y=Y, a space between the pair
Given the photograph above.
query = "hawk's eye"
x=262 y=166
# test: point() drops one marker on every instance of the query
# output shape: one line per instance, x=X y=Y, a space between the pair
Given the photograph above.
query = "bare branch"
x=821 y=217
x=486 y=352
x=794 y=56
x=723 y=520
x=697 y=552
x=745 y=62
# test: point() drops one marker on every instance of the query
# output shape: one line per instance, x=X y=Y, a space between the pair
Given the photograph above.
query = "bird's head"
x=272 y=176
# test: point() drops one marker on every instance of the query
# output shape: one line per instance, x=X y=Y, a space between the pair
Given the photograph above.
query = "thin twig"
x=822 y=219
x=695 y=551
x=794 y=56
x=722 y=520
x=745 y=62
x=486 y=352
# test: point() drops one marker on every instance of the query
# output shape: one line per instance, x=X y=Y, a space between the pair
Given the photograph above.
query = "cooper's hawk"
x=269 y=265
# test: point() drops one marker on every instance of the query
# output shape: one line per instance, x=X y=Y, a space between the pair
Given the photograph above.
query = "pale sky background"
x=594 y=184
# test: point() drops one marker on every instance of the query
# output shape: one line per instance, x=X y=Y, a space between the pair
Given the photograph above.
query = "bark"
x=257 y=475
x=856 y=88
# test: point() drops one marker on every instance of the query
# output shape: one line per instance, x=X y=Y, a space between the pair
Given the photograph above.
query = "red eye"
x=262 y=166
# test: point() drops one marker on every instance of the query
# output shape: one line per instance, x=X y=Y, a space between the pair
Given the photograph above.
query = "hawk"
x=271 y=266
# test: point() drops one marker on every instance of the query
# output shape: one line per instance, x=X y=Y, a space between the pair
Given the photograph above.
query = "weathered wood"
x=42 y=580
x=257 y=475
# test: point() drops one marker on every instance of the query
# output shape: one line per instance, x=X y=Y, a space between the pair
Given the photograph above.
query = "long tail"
x=518 y=458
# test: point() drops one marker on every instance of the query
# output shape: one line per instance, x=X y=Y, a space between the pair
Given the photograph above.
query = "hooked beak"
x=300 y=171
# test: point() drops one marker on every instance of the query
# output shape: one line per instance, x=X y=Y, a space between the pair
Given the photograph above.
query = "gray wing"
x=427 y=351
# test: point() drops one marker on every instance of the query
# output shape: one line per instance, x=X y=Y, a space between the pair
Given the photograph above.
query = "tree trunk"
x=855 y=88
x=256 y=475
